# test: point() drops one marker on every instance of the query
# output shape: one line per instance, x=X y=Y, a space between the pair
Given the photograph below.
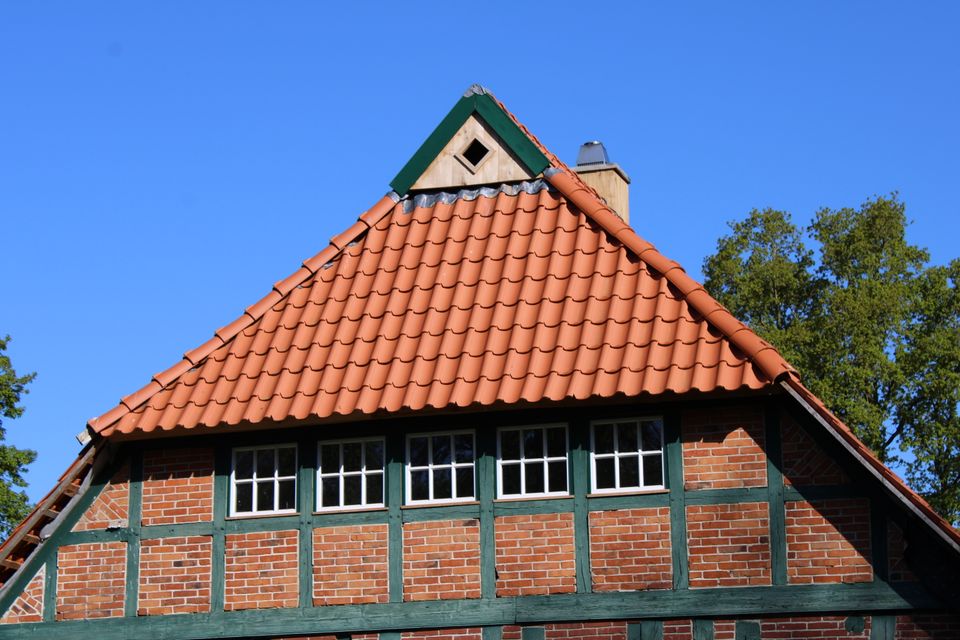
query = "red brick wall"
x=91 y=580
x=28 y=607
x=261 y=570
x=677 y=630
x=175 y=575
x=724 y=630
x=630 y=549
x=828 y=541
x=811 y=628
x=574 y=631
x=473 y=633
x=178 y=486
x=111 y=506
x=899 y=570
x=928 y=627
x=728 y=544
x=723 y=448
x=441 y=560
x=535 y=554
x=804 y=462
x=350 y=565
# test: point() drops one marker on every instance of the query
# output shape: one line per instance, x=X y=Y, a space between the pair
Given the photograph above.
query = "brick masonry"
x=574 y=631
x=535 y=554
x=630 y=549
x=441 y=560
x=812 y=628
x=91 y=580
x=177 y=486
x=728 y=545
x=928 y=627
x=677 y=630
x=828 y=541
x=28 y=607
x=804 y=462
x=261 y=570
x=175 y=576
x=723 y=448
x=350 y=565
x=111 y=506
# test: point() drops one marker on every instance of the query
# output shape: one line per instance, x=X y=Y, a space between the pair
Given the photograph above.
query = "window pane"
x=533 y=474
x=442 y=484
x=556 y=442
x=375 y=488
x=532 y=444
x=330 y=458
x=331 y=492
x=418 y=452
x=652 y=470
x=652 y=436
x=509 y=445
x=629 y=471
x=605 y=477
x=288 y=461
x=375 y=455
x=244 y=465
x=558 y=476
x=288 y=494
x=244 y=496
x=511 y=478
x=463 y=443
x=352 y=490
x=265 y=495
x=441 y=450
x=603 y=438
x=351 y=456
x=465 y=482
x=420 y=485
x=627 y=437
x=265 y=464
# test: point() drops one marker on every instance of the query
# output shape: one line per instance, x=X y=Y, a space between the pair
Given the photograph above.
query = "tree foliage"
x=14 y=505
x=872 y=327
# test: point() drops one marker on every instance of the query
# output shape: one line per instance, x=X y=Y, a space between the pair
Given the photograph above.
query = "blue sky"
x=162 y=164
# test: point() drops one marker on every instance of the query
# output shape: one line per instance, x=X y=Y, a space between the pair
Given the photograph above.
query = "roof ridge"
x=250 y=315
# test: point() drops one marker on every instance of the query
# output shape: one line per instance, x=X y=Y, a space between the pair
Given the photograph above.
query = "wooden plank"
x=176 y=530
x=634 y=501
x=702 y=629
x=533 y=633
x=50 y=589
x=531 y=507
x=580 y=483
x=446 y=512
x=651 y=630
x=678 y=508
x=777 y=520
x=134 y=520
x=306 y=502
x=490 y=633
x=747 y=630
x=883 y=627
x=486 y=492
x=221 y=498
x=394 y=488
x=726 y=496
x=258 y=524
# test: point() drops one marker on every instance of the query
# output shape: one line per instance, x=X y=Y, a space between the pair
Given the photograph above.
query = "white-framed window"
x=350 y=474
x=263 y=480
x=440 y=467
x=532 y=461
x=626 y=454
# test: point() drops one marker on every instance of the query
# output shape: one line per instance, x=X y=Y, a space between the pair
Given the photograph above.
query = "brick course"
x=723 y=448
x=535 y=554
x=91 y=580
x=677 y=630
x=441 y=560
x=728 y=544
x=175 y=575
x=350 y=565
x=28 y=607
x=630 y=549
x=178 y=486
x=111 y=506
x=261 y=570
x=941 y=626
x=804 y=462
x=828 y=541
x=574 y=631
x=811 y=628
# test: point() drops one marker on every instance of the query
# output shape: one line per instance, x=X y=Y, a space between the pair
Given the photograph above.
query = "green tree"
x=869 y=324
x=14 y=505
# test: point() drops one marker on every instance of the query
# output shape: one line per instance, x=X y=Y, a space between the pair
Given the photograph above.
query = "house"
x=487 y=410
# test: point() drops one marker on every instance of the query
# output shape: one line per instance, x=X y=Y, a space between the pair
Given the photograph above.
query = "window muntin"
x=626 y=455
x=350 y=474
x=263 y=480
x=440 y=467
x=532 y=461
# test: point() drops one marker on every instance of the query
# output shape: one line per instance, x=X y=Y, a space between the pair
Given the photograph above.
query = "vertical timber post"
x=134 y=522
x=678 y=506
x=775 y=504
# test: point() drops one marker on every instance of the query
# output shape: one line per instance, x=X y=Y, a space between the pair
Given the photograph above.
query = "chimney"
x=608 y=179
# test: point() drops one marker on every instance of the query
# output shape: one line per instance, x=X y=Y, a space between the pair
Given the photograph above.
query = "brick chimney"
x=608 y=179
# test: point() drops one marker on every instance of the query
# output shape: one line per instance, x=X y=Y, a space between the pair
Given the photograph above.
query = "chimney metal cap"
x=592 y=152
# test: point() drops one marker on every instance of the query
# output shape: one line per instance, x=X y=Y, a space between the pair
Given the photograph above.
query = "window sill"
x=330 y=512
x=565 y=496
x=434 y=505
x=261 y=516
x=628 y=492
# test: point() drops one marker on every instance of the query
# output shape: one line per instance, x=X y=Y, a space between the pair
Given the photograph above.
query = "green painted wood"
x=486 y=492
x=531 y=507
x=49 y=589
x=394 y=490
x=491 y=633
x=747 y=630
x=726 y=496
x=533 y=633
x=516 y=140
x=120 y=534
x=636 y=501
x=678 y=508
x=534 y=610
x=652 y=630
x=854 y=624
x=134 y=521
x=306 y=502
x=258 y=524
x=777 y=521
x=580 y=483
x=391 y=635
x=878 y=541
x=883 y=627
x=470 y=511
x=176 y=530
x=792 y=494
x=703 y=629
x=221 y=499
x=634 y=631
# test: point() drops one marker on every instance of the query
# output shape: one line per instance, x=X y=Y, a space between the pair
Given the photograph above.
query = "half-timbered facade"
x=488 y=409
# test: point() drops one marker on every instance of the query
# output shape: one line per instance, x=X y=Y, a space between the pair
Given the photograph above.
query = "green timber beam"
x=134 y=519
x=776 y=509
x=678 y=505
x=580 y=476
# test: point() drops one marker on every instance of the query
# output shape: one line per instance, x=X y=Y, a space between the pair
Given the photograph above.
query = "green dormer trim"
x=479 y=103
